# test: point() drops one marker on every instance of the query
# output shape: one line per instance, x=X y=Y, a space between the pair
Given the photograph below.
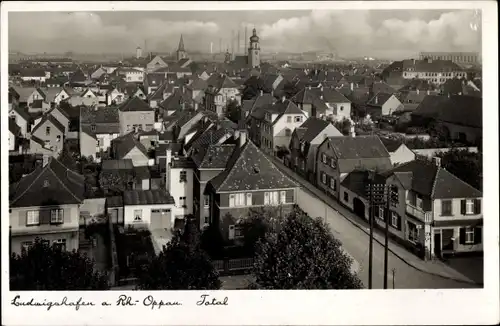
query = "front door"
x=437 y=244
x=447 y=238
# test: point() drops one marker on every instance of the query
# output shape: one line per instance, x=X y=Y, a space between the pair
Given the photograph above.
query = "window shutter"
x=478 y=232
x=462 y=207
x=399 y=222
x=462 y=235
x=477 y=206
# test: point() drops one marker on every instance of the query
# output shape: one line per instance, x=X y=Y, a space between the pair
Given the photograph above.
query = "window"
x=419 y=201
x=469 y=206
x=394 y=220
x=236 y=200
x=412 y=232
x=58 y=138
x=323 y=158
x=182 y=201
x=288 y=132
x=206 y=220
x=249 y=199
x=238 y=231
x=379 y=213
x=446 y=208
x=333 y=164
x=469 y=235
x=283 y=197
x=323 y=178
x=46 y=183
x=32 y=218
x=346 y=196
x=59 y=244
x=333 y=184
x=341 y=108
x=207 y=201
x=298 y=118
x=271 y=198
x=56 y=216
x=138 y=215
x=289 y=119
x=47 y=131
x=93 y=127
x=183 y=176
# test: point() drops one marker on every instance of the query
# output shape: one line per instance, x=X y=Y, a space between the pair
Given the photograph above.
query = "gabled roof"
x=125 y=164
x=198 y=84
x=157 y=95
x=432 y=181
x=313 y=127
x=445 y=109
x=249 y=169
x=147 y=197
x=308 y=96
x=52 y=185
x=381 y=87
x=358 y=147
x=261 y=101
x=330 y=95
x=176 y=101
x=14 y=128
x=50 y=118
x=391 y=144
x=134 y=104
x=379 y=99
x=124 y=144
x=212 y=157
x=78 y=76
x=22 y=112
x=106 y=115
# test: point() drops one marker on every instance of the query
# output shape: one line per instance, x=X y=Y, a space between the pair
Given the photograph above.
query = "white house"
x=153 y=209
x=280 y=120
x=179 y=181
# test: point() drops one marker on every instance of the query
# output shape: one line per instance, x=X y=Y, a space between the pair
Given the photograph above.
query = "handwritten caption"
x=121 y=301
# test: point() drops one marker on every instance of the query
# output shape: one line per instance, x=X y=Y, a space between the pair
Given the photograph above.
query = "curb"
x=301 y=182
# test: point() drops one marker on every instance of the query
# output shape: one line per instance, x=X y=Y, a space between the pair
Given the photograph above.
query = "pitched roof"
x=358 y=147
x=260 y=101
x=32 y=72
x=379 y=99
x=14 y=128
x=23 y=112
x=54 y=184
x=176 y=100
x=134 y=104
x=249 y=169
x=391 y=144
x=125 y=164
x=212 y=157
x=309 y=96
x=50 y=118
x=124 y=144
x=430 y=180
x=313 y=127
x=147 y=197
x=330 y=95
x=107 y=114
x=198 y=84
x=445 y=108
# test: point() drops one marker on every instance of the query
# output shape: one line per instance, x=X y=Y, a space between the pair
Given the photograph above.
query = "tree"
x=116 y=182
x=259 y=222
x=303 y=254
x=344 y=126
x=233 y=111
x=467 y=166
x=253 y=86
x=46 y=268
x=181 y=265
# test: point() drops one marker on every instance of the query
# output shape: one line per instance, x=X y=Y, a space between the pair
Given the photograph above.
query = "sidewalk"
x=432 y=267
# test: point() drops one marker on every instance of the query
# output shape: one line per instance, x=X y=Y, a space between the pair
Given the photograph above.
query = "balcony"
x=419 y=213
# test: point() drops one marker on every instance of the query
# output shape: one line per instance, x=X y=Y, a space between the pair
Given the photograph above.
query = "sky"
x=378 y=33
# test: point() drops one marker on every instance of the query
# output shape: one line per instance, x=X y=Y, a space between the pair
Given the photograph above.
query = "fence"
x=233 y=266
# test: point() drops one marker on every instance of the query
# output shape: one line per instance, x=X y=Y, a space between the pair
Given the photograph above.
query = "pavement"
x=405 y=269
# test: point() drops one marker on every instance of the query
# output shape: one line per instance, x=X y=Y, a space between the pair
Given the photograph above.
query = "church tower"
x=181 y=52
x=254 y=51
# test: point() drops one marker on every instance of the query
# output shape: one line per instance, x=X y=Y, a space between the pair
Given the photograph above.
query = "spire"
x=181 y=44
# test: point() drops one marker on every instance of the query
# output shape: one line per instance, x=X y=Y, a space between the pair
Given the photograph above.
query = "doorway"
x=437 y=244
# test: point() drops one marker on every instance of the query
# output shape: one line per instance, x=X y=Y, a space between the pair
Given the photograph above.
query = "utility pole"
x=370 y=217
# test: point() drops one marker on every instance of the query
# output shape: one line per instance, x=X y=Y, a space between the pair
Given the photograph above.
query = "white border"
x=284 y=307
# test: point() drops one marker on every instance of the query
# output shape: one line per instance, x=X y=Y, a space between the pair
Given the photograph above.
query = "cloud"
x=348 y=32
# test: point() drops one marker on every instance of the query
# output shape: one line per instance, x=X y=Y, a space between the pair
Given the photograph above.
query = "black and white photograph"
x=252 y=149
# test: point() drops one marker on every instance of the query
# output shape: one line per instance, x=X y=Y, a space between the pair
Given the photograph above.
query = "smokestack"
x=232 y=41
x=239 y=45
x=211 y=47
x=246 y=34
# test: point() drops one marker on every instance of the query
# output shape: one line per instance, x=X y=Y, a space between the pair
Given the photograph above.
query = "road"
x=356 y=242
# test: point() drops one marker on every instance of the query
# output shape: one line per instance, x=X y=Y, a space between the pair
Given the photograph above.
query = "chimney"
x=45 y=160
x=352 y=87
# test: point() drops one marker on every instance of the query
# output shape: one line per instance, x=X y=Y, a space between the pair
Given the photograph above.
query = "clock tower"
x=254 y=51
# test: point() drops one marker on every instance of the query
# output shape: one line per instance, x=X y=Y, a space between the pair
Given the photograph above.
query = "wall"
x=88 y=145
x=472 y=134
x=402 y=155
x=280 y=126
x=182 y=189
x=138 y=158
x=391 y=105
x=105 y=140
x=128 y=212
x=456 y=211
x=62 y=119
x=23 y=124
x=18 y=218
x=339 y=110
x=72 y=240
x=134 y=118
x=52 y=137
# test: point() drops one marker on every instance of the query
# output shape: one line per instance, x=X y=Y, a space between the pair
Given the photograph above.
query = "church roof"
x=181 y=45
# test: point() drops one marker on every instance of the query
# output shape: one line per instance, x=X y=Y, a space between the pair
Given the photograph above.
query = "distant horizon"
x=375 y=33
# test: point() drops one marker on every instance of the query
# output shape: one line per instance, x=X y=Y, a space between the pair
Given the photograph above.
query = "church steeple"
x=181 y=52
x=254 y=50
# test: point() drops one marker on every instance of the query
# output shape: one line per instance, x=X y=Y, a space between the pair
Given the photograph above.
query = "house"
x=88 y=93
x=280 y=120
x=152 y=209
x=157 y=95
x=114 y=209
x=132 y=75
x=135 y=114
x=134 y=90
x=179 y=181
x=14 y=135
x=437 y=211
x=383 y=104
x=156 y=63
x=304 y=144
x=260 y=101
x=128 y=147
x=22 y=118
x=63 y=95
x=433 y=71
x=51 y=132
x=309 y=101
x=466 y=127
x=221 y=89
x=98 y=127
x=197 y=89
x=34 y=74
x=179 y=100
x=114 y=96
x=98 y=73
x=249 y=180
x=37 y=94
x=152 y=82
x=398 y=151
x=61 y=116
x=46 y=204
x=338 y=156
x=339 y=107
x=13 y=98
x=40 y=106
